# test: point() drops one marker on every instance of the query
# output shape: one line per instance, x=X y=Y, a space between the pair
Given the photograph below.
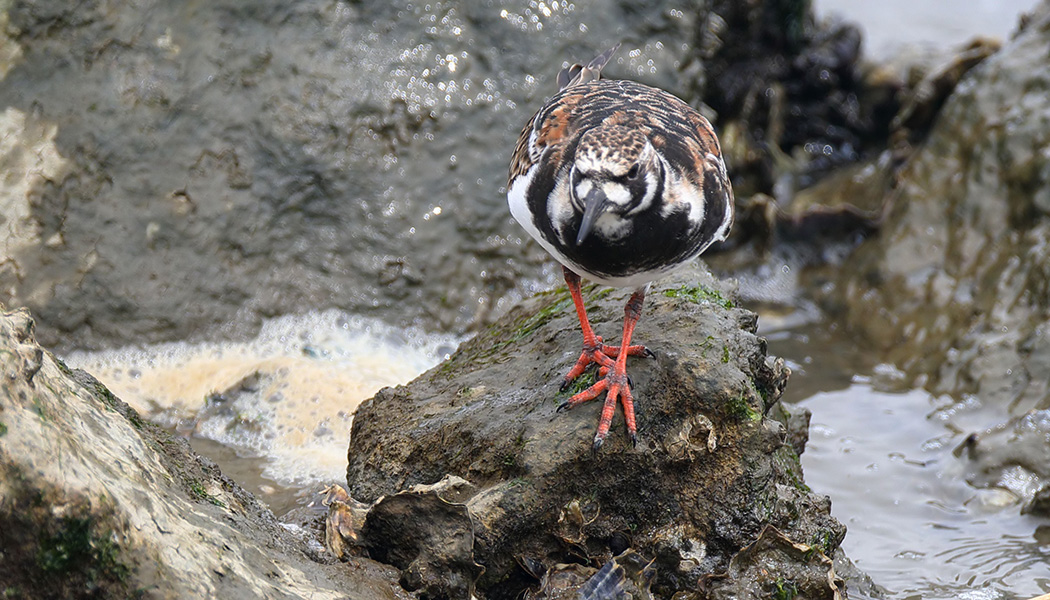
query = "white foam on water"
x=287 y=396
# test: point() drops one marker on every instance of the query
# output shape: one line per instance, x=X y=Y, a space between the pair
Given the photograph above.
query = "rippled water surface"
x=884 y=456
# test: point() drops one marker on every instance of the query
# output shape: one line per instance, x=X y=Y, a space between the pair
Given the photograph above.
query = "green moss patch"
x=76 y=546
x=738 y=407
x=699 y=294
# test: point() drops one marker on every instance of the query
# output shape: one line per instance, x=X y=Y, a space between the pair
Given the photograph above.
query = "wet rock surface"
x=710 y=471
x=955 y=289
x=773 y=566
x=224 y=163
x=97 y=503
x=426 y=532
x=180 y=172
x=794 y=97
x=1013 y=460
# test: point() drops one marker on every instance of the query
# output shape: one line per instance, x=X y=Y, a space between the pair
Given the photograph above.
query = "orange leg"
x=614 y=380
x=594 y=351
x=593 y=348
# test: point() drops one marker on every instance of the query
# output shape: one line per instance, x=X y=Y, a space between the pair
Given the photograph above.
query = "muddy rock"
x=97 y=503
x=955 y=287
x=758 y=571
x=710 y=470
x=1012 y=462
x=426 y=532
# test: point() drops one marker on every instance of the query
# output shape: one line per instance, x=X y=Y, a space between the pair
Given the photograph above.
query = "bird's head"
x=617 y=173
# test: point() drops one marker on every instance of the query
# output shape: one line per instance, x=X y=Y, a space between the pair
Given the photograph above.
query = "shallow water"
x=884 y=456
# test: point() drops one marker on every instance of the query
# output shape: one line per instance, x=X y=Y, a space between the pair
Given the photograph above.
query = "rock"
x=1012 y=457
x=254 y=160
x=953 y=290
x=709 y=473
x=757 y=571
x=564 y=581
x=794 y=97
x=849 y=203
x=925 y=100
x=796 y=422
x=429 y=537
x=1039 y=505
x=97 y=503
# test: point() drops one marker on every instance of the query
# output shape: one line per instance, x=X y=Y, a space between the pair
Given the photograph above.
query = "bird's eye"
x=633 y=172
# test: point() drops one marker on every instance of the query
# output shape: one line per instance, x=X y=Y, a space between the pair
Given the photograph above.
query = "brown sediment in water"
x=287 y=399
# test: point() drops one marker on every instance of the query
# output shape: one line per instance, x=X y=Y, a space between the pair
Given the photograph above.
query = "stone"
x=710 y=471
x=95 y=502
x=176 y=174
x=757 y=572
x=953 y=289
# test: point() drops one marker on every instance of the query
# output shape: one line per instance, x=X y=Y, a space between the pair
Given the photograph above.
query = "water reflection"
x=884 y=457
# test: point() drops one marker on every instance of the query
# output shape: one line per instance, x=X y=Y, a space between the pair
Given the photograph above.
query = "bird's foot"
x=593 y=354
x=617 y=387
x=636 y=350
x=601 y=355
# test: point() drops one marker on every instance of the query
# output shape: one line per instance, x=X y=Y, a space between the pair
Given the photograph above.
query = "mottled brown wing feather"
x=554 y=124
x=521 y=161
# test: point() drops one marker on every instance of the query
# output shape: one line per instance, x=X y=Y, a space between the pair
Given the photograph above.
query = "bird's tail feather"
x=577 y=73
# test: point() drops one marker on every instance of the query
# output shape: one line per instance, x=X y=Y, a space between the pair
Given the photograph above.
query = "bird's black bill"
x=594 y=204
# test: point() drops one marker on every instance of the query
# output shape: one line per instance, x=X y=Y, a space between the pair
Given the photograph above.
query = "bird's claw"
x=597 y=446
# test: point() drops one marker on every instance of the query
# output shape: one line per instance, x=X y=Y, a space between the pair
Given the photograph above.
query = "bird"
x=622 y=184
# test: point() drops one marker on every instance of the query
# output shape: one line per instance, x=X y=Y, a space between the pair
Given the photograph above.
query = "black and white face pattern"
x=620 y=182
x=616 y=174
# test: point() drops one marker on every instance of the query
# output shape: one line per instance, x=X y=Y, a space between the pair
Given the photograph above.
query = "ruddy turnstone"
x=622 y=183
